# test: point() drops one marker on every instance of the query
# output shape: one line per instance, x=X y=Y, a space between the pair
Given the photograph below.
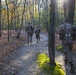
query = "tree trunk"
x=51 y=44
x=71 y=9
x=33 y=12
x=39 y=12
x=46 y=7
x=65 y=8
x=0 y=17
x=19 y=32
x=18 y=20
x=7 y=18
x=11 y=22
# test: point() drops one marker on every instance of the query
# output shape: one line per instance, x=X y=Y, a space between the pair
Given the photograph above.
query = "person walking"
x=30 y=30
x=66 y=35
x=37 y=33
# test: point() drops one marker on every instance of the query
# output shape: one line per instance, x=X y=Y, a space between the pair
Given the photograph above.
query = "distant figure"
x=30 y=31
x=66 y=34
x=37 y=33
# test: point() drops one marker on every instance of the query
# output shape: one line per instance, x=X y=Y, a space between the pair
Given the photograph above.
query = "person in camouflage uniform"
x=37 y=33
x=66 y=35
x=30 y=30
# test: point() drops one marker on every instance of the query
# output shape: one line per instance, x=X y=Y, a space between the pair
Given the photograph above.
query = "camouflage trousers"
x=29 y=37
x=37 y=37
x=67 y=49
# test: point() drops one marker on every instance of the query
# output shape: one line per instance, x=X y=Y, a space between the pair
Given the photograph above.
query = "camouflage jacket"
x=66 y=30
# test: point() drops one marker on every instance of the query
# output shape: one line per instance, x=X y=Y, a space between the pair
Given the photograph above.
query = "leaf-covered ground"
x=8 y=46
x=22 y=60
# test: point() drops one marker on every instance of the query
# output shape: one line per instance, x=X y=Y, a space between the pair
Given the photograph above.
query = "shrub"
x=43 y=63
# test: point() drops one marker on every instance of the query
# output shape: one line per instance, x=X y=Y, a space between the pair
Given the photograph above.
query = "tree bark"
x=46 y=7
x=0 y=17
x=39 y=12
x=51 y=41
x=71 y=9
x=7 y=18
x=65 y=8
x=19 y=32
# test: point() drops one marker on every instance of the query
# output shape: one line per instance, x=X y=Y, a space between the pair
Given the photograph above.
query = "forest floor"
x=22 y=59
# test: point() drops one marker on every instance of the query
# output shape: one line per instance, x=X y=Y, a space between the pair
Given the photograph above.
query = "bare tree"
x=51 y=39
x=46 y=10
x=18 y=34
x=0 y=17
x=7 y=18
x=71 y=9
x=65 y=5
x=39 y=11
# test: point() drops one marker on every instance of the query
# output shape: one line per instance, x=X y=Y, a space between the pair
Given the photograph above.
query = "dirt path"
x=23 y=60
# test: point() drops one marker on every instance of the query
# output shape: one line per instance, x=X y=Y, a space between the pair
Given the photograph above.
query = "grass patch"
x=43 y=63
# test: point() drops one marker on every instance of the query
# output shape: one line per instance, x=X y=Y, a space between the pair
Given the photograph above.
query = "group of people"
x=67 y=34
x=30 y=29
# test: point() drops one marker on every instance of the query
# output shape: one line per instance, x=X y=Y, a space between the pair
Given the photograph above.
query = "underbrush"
x=8 y=46
x=43 y=63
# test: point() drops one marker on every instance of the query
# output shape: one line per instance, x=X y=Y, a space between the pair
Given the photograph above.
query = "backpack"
x=29 y=29
x=66 y=32
x=37 y=31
